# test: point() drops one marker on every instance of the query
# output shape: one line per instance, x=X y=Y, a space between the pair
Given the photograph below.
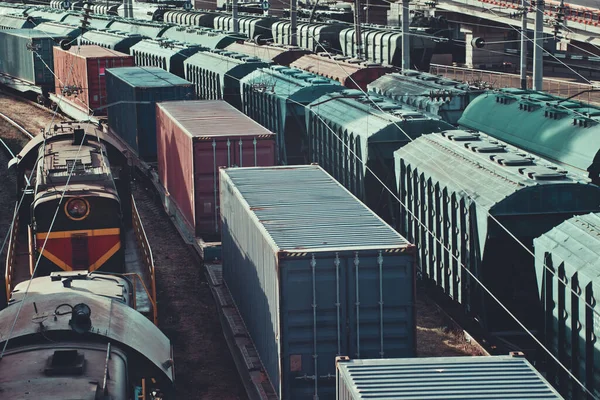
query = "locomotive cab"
x=76 y=218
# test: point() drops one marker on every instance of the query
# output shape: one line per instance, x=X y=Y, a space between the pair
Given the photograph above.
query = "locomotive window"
x=77 y=208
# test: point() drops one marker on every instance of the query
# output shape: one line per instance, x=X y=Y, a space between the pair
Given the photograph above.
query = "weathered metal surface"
x=454 y=186
x=276 y=97
x=205 y=37
x=563 y=131
x=430 y=93
x=97 y=22
x=353 y=75
x=314 y=274
x=132 y=94
x=118 y=41
x=217 y=74
x=27 y=54
x=567 y=259
x=193 y=18
x=481 y=378
x=111 y=320
x=278 y=54
x=352 y=139
x=80 y=73
x=250 y=25
x=16 y=22
x=195 y=139
x=59 y=29
x=148 y=29
x=163 y=54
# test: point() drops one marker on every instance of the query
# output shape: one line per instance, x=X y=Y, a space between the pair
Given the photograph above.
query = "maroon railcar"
x=195 y=139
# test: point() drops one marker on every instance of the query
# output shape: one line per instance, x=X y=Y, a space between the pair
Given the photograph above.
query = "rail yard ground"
x=187 y=314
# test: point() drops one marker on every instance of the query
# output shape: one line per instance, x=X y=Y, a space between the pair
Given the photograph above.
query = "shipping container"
x=314 y=273
x=354 y=74
x=442 y=378
x=561 y=130
x=205 y=37
x=118 y=41
x=164 y=54
x=455 y=189
x=217 y=74
x=195 y=139
x=429 y=93
x=278 y=54
x=566 y=260
x=80 y=74
x=27 y=54
x=353 y=137
x=133 y=93
x=277 y=97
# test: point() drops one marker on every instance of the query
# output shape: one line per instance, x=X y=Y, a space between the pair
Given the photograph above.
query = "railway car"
x=10 y=21
x=429 y=93
x=252 y=26
x=459 y=190
x=277 y=97
x=568 y=272
x=562 y=130
x=205 y=37
x=311 y=36
x=59 y=29
x=97 y=22
x=78 y=335
x=278 y=54
x=193 y=18
x=354 y=74
x=109 y=39
x=165 y=54
x=217 y=74
x=148 y=29
x=352 y=139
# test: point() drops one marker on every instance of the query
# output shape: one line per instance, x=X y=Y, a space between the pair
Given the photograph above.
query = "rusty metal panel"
x=195 y=139
x=81 y=74
x=314 y=274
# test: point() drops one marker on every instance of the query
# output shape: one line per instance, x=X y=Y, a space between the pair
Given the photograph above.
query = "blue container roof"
x=443 y=378
x=302 y=208
x=147 y=77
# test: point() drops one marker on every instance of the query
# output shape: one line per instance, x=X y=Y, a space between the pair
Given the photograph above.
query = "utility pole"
x=405 y=36
x=538 y=49
x=234 y=16
x=357 y=31
x=293 y=23
x=524 y=45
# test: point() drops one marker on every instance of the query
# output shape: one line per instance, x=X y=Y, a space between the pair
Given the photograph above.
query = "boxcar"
x=205 y=37
x=277 y=97
x=565 y=131
x=566 y=260
x=118 y=41
x=352 y=139
x=430 y=93
x=278 y=54
x=163 y=54
x=461 y=186
x=217 y=74
x=314 y=274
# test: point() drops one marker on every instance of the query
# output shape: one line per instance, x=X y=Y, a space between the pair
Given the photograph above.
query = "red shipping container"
x=194 y=139
x=80 y=75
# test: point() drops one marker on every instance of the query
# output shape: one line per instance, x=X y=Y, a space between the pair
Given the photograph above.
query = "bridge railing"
x=498 y=80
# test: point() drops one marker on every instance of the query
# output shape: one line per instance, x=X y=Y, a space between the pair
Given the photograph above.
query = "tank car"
x=77 y=336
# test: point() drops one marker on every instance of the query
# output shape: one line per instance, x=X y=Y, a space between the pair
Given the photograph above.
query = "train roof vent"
x=318 y=81
x=65 y=362
x=428 y=77
x=511 y=160
x=460 y=136
x=541 y=173
x=411 y=73
x=485 y=147
x=252 y=59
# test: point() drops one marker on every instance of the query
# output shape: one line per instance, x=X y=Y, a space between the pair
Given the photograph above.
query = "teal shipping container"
x=26 y=54
x=314 y=274
x=132 y=94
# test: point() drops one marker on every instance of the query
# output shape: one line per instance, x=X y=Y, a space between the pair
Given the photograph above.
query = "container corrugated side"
x=314 y=274
x=442 y=378
x=23 y=55
x=134 y=117
x=195 y=139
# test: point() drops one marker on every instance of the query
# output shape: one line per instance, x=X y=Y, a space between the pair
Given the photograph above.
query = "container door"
x=313 y=317
x=380 y=305
x=209 y=155
x=255 y=151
